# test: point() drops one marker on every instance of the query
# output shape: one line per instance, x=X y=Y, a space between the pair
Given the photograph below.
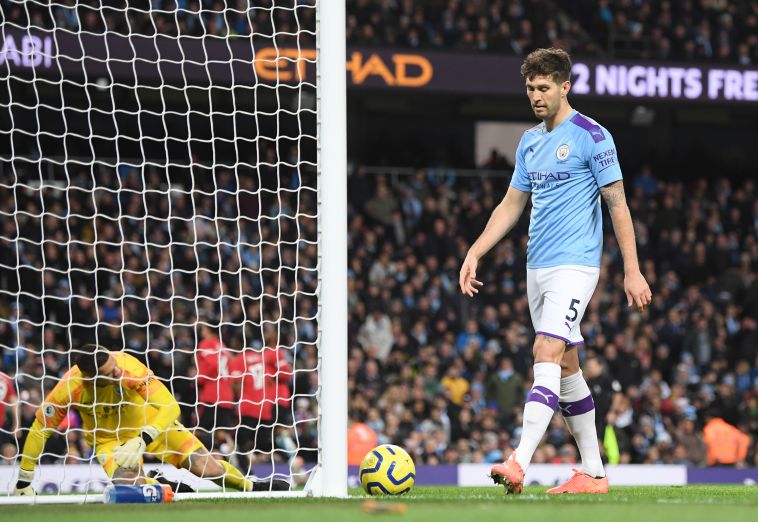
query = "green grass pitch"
x=436 y=504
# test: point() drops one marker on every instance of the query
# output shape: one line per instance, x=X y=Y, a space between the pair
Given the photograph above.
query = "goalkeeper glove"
x=129 y=454
x=24 y=483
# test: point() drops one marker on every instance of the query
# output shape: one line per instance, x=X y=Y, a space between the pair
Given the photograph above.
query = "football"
x=387 y=470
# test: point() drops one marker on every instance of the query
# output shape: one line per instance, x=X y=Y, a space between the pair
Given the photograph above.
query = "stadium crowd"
x=196 y=281
x=722 y=30
x=442 y=375
x=445 y=376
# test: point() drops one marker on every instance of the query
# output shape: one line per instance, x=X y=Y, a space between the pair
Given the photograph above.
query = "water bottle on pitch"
x=144 y=494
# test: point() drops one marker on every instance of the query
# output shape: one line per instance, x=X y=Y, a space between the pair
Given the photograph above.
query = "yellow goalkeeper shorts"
x=172 y=447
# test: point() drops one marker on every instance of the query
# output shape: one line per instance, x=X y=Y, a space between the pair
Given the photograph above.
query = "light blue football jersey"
x=564 y=170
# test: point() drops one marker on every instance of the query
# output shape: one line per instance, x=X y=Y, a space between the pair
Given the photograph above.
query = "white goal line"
x=97 y=498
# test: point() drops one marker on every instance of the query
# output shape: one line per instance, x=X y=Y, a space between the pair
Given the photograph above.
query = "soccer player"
x=278 y=375
x=248 y=372
x=126 y=412
x=565 y=163
x=9 y=403
x=261 y=380
x=215 y=395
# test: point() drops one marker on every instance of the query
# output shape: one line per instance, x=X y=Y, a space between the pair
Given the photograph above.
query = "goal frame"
x=330 y=479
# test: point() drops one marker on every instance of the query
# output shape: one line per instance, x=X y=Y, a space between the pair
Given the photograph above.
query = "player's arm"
x=129 y=454
x=502 y=220
x=636 y=288
x=277 y=365
x=158 y=396
x=48 y=416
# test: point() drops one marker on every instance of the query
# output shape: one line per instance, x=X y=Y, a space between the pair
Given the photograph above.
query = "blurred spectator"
x=360 y=440
x=505 y=388
x=726 y=445
x=457 y=386
x=375 y=335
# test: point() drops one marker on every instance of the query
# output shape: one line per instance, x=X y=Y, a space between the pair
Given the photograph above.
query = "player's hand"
x=129 y=454
x=24 y=483
x=637 y=291
x=467 y=279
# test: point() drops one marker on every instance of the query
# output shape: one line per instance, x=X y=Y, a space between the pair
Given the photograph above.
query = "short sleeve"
x=603 y=158
x=520 y=178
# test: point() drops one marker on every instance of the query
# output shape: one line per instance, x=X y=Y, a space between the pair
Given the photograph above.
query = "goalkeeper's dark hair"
x=555 y=63
x=89 y=358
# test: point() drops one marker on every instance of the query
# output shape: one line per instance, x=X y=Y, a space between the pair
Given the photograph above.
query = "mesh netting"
x=158 y=188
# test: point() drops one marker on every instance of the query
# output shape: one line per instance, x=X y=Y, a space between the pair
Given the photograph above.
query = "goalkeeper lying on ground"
x=126 y=412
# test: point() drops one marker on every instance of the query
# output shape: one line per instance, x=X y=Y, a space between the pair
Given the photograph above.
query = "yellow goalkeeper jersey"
x=116 y=411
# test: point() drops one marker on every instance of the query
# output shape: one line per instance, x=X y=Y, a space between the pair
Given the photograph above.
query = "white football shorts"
x=558 y=297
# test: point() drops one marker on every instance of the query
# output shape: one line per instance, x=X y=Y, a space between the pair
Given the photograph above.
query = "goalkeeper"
x=126 y=412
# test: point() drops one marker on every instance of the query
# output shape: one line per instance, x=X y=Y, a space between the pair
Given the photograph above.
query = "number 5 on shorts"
x=574 y=302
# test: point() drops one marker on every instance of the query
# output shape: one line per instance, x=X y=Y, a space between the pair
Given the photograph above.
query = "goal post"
x=174 y=187
x=331 y=87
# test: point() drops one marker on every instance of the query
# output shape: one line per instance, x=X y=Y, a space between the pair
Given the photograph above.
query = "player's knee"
x=548 y=349
x=204 y=465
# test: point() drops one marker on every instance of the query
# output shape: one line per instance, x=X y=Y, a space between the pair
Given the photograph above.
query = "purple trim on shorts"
x=569 y=409
x=554 y=336
x=578 y=343
x=543 y=396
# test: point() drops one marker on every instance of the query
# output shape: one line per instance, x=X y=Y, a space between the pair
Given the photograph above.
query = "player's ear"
x=565 y=88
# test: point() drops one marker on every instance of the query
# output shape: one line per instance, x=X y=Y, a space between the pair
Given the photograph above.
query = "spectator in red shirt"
x=215 y=396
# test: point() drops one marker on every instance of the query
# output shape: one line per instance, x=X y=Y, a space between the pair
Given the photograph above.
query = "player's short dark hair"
x=555 y=63
x=89 y=358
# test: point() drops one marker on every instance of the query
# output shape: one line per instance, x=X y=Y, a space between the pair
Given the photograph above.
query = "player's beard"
x=542 y=112
x=548 y=111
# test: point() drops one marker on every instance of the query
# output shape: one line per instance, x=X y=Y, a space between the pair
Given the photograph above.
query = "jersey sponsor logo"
x=606 y=158
x=548 y=176
x=562 y=152
x=542 y=180
x=605 y=154
x=48 y=410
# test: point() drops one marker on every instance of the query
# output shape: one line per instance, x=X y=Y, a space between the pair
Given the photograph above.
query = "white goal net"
x=160 y=189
